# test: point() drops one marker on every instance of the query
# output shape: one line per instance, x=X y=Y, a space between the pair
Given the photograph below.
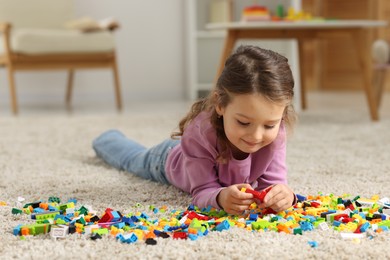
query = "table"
x=359 y=30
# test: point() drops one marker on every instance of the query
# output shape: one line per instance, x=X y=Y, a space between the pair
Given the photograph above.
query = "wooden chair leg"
x=117 y=86
x=69 y=88
x=379 y=78
x=12 y=90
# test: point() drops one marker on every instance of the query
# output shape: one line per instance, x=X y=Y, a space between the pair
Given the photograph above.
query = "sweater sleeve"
x=200 y=153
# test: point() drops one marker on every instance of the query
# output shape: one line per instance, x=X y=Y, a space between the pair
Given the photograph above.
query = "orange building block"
x=150 y=234
x=44 y=206
x=283 y=228
x=25 y=231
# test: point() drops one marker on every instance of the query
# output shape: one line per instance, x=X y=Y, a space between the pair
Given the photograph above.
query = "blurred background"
x=165 y=53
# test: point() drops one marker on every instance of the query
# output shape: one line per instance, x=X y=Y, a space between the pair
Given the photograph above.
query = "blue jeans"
x=125 y=154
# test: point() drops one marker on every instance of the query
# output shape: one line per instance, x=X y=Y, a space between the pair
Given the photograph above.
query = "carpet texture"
x=335 y=148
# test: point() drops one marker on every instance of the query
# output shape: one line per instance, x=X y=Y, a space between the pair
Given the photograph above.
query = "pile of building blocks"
x=353 y=217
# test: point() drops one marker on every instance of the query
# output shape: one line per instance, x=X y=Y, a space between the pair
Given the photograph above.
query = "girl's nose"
x=258 y=133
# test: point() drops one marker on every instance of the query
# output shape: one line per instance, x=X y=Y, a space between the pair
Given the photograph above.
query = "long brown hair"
x=249 y=70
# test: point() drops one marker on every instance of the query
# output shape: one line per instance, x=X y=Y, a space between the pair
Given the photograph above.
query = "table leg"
x=362 y=39
x=230 y=40
x=302 y=73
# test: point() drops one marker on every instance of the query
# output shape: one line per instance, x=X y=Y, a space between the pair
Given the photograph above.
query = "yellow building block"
x=316 y=211
x=349 y=227
x=375 y=197
x=139 y=233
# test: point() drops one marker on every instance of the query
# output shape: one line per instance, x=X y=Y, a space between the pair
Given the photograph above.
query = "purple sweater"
x=192 y=165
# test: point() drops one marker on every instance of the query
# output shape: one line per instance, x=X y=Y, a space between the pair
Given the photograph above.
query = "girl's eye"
x=269 y=126
x=242 y=123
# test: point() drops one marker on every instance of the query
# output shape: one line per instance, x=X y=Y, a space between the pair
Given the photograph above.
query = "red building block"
x=180 y=235
x=260 y=195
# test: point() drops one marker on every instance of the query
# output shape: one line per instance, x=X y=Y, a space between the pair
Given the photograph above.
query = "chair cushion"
x=46 y=41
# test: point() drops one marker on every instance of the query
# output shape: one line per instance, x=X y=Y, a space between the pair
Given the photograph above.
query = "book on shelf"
x=88 y=24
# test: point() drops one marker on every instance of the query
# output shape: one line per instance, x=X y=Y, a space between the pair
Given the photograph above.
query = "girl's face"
x=250 y=122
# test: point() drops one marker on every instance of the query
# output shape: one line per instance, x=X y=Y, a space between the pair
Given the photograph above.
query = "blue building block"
x=127 y=220
x=144 y=216
x=119 y=225
x=134 y=218
x=193 y=237
x=52 y=208
x=384 y=228
x=301 y=197
x=38 y=210
x=313 y=243
x=364 y=227
x=16 y=230
x=208 y=209
x=310 y=218
x=116 y=216
x=336 y=223
x=120 y=237
x=253 y=217
x=73 y=200
x=142 y=227
x=130 y=238
x=224 y=225
x=70 y=215
x=306 y=226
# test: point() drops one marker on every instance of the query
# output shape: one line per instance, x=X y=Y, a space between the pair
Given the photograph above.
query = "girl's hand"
x=279 y=198
x=233 y=200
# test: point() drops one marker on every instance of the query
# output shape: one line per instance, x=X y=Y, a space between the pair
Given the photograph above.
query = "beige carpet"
x=335 y=149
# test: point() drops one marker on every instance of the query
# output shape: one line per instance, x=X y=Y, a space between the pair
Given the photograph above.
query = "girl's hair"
x=248 y=70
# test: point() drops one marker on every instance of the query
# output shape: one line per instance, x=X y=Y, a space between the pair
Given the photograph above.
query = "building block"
x=180 y=235
x=59 y=231
x=16 y=211
x=313 y=243
x=224 y=225
x=260 y=195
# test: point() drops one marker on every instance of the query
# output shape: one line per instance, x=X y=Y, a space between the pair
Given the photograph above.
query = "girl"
x=235 y=138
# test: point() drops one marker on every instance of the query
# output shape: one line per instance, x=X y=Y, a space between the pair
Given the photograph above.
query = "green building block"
x=385 y=223
x=297 y=231
x=42 y=228
x=81 y=220
x=260 y=224
x=16 y=211
x=63 y=207
x=101 y=231
x=60 y=221
x=36 y=229
x=83 y=210
x=54 y=199
x=42 y=217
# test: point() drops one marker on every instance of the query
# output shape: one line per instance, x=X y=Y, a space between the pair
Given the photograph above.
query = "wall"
x=150 y=54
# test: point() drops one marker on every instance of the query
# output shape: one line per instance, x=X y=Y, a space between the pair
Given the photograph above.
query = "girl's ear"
x=218 y=107
x=219 y=110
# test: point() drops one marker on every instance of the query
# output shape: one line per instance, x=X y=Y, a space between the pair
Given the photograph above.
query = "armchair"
x=33 y=37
